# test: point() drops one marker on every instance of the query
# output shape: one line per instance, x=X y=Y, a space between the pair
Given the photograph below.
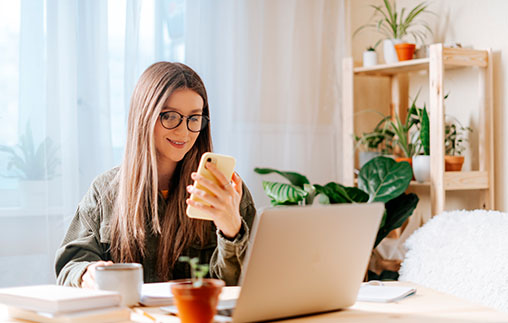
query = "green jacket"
x=88 y=239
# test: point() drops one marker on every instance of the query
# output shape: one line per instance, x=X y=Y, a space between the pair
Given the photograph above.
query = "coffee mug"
x=124 y=278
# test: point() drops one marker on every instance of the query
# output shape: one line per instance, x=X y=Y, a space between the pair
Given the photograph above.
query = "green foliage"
x=455 y=138
x=425 y=130
x=383 y=179
x=380 y=180
x=198 y=271
x=31 y=163
x=283 y=194
x=397 y=24
x=380 y=139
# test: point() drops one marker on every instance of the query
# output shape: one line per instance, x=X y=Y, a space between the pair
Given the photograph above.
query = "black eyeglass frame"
x=204 y=121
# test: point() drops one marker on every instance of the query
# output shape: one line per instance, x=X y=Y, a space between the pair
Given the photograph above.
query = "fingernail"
x=189 y=188
x=194 y=175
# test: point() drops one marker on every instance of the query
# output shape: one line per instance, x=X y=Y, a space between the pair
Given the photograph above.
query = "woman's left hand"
x=224 y=201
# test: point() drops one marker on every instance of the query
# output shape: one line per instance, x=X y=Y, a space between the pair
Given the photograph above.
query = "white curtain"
x=271 y=68
x=272 y=71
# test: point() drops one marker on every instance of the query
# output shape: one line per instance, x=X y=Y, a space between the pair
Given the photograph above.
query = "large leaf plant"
x=380 y=180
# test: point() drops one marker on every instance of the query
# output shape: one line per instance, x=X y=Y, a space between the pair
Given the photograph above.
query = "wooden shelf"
x=461 y=181
x=452 y=58
x=440 y=59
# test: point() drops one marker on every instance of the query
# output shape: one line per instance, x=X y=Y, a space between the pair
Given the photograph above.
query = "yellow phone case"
x=225 y=164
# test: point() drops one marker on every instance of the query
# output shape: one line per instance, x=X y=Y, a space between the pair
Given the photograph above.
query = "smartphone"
x=225 y=164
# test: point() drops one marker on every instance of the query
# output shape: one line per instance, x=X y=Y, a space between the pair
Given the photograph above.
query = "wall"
x=480 y=24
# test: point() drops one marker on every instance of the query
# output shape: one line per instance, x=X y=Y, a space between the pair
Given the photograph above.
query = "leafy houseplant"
x=196 y=299
x=380 y=180
x=397 y=25
x=455 y=138
x=377 y=142
x=30 y=163
x=421 y=163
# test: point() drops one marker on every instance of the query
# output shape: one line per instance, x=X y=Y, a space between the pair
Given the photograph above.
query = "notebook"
x=383 y=294
x=304 y=260
x=156 y=294
x=57 y=299
x=102 y=315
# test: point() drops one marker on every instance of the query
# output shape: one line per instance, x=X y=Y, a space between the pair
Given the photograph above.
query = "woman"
x=136 y=212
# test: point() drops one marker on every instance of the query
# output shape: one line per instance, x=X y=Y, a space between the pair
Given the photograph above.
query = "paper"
x=157 y=294
x=380 y=293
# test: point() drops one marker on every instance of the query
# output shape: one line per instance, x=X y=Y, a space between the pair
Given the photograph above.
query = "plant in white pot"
x=34 y=166
x=396 y=27
x=370 y=55
x=421 y=162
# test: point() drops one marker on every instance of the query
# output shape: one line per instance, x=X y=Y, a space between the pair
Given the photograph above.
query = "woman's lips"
x=177 y=144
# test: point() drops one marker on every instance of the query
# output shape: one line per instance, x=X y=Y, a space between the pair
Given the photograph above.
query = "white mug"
x=124 y=278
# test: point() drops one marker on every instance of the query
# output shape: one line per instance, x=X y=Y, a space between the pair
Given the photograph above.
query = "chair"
x=463 y=253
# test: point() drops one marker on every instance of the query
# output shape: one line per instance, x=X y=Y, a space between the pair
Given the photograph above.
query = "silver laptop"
x=304 y=260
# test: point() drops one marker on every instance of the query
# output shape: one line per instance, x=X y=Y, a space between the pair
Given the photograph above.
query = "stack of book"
x=52 y=304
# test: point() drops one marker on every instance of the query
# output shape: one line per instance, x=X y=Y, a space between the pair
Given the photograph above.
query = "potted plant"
x=406 y=138
x=455 y=138
x=196 y=299
x=375 y=143
x=421 y=162
x=396 y=26
x=370 y=56
x=380 y=180
x=34 y=165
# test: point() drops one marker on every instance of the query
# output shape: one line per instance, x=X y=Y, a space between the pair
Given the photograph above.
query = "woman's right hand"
x=88 y=278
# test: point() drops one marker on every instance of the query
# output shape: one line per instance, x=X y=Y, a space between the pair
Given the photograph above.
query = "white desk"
x=426 y=305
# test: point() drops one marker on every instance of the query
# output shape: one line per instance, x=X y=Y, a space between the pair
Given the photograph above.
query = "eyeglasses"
x=172 y=119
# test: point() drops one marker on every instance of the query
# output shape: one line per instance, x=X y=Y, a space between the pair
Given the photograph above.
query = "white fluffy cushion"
x=463 y=253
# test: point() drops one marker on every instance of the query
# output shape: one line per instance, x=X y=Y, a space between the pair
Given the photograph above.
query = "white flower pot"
x=421 y=168
x=389 y=52
x=369 y=58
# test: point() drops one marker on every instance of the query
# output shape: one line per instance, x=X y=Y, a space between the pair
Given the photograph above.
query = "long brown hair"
x=136 y=205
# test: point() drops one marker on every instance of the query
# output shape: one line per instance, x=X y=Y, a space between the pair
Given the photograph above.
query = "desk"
x=427 y=305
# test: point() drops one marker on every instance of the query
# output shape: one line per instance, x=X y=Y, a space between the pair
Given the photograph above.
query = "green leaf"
x=425 y=131
x=338 y=193
x=283 y=193
x=398 y=210
x=294 y=178
x=384 y=179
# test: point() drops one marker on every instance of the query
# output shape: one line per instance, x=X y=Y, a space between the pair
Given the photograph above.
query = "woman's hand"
x=224 y=201
x=88 y=278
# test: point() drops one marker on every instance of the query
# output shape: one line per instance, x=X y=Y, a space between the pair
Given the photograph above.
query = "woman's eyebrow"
x=194 y=111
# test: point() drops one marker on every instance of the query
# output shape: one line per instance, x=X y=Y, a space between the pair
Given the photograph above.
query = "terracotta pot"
x=197 y=305
x=405 y=51
x=454 y=163
x=401 y=159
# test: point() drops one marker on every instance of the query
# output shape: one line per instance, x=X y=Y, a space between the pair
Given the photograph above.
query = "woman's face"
x=173 y=144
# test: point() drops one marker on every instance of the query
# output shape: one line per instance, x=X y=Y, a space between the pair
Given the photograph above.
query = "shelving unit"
x=440 y=59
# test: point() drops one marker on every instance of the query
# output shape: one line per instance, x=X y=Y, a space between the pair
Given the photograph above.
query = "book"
x=57 y=299
x=102 y=315
x=157 y=294
x=381 y=293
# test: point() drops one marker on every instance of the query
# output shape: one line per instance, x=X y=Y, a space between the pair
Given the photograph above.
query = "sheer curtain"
x=65 y=82
x=68 y=67
x=273 y=71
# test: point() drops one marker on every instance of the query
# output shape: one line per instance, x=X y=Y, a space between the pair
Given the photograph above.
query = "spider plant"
x=399 y=24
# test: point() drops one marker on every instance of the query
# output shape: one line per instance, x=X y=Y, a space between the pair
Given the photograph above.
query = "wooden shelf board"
x=391 y=69
x=466 y=180
x=457 y=181
x=452 y=58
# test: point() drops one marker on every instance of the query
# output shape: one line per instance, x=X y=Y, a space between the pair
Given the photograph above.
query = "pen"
x=145 y=314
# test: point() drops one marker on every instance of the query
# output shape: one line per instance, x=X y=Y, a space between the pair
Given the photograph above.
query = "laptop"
x=304 y=260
